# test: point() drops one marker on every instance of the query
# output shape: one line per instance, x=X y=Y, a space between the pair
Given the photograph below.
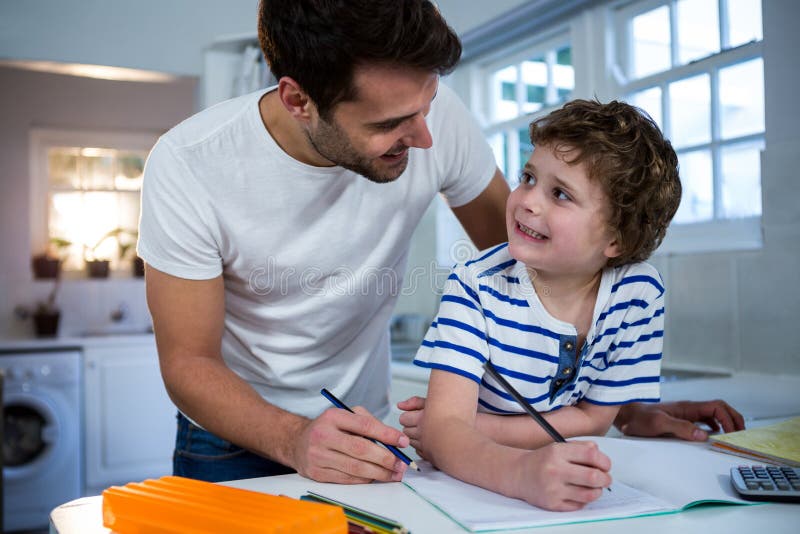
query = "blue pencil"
x=394 y=450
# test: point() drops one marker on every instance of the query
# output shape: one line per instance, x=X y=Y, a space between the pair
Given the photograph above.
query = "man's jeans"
x=203 y=456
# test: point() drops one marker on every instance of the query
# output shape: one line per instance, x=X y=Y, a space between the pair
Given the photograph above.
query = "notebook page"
x=679 y=472
x=479 y=510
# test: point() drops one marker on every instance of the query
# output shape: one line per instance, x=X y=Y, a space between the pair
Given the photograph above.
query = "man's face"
x=372 y=134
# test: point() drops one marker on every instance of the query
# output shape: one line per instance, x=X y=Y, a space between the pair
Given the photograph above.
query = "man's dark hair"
x=319 y=43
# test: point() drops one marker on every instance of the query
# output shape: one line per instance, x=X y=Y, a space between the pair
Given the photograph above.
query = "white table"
x=395 y=500
x=761 y=398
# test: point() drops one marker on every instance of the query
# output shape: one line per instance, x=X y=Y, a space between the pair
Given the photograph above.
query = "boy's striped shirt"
x=489 y=309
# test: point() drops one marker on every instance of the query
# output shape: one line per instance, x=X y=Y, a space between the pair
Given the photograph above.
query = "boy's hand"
x=678 y=419
x=334 y=448
x=563 y=476
x=411 y=419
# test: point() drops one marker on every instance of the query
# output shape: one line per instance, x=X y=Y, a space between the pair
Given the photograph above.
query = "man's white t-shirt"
x=312 y=257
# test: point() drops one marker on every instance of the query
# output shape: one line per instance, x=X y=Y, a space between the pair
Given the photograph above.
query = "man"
x=276 y=228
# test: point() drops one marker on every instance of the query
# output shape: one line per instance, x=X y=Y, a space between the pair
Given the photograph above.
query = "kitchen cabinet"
x=129 y=419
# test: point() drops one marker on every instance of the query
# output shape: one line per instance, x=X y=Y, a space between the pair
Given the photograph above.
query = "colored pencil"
x=377 y=523
x=394 y=450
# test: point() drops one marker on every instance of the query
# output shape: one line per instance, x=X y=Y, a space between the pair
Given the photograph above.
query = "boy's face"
x=557 y=218
x=372 y=134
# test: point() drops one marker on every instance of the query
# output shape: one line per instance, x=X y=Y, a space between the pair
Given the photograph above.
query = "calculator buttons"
x=770 y=483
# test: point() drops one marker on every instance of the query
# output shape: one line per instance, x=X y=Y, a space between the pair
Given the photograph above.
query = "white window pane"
x=130 y=166
x=651 y=42
x=698 y=29
x=534 y=84
x=97 y=168
x=690 y=111
x=498 y=144
x=741 y=96
x=741 y=179
x=65 y=222
x=744 y=22
x=564 y=74
x=525 y=148
x=503 y=103
x=63 y=167
x=697 y=201
x=650 y=101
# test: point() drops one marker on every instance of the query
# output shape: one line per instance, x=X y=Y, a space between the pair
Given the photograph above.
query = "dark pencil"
x=394 y=450
x=524 y=404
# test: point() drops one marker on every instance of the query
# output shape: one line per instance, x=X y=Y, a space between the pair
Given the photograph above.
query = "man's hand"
x=411 y=419
x=678 y=419
x=334 y=448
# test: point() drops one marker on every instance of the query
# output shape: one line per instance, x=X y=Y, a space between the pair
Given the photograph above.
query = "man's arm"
x=484 y=218
x=188 y=318
x=678 y=419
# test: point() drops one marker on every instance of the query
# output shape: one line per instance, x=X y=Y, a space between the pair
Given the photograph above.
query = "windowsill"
x=716 y=236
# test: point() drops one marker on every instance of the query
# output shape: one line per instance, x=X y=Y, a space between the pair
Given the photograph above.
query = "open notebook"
x=650 y=477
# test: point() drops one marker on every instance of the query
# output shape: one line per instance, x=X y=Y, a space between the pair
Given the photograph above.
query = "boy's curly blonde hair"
x=623 y=149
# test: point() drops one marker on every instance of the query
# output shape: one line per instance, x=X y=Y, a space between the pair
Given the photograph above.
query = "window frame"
x=481 y=72
x=718 y=234
x=41 y=140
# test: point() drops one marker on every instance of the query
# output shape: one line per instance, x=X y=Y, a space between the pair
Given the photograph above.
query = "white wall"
x=162 y=35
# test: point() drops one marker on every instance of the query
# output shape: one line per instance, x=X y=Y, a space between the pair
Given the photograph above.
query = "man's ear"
x=294 y=99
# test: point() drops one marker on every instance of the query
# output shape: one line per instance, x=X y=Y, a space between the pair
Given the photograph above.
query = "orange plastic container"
x=172 y=505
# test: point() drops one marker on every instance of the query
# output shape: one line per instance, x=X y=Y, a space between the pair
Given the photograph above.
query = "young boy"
x=566 y=311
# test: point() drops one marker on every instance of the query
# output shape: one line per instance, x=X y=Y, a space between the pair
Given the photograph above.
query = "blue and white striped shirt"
x=490 y=310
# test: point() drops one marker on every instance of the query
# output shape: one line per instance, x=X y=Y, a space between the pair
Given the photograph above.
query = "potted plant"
x=48 y=263
x=126 y=242
x=46 y=315
x=96 y=267
x=100 y=268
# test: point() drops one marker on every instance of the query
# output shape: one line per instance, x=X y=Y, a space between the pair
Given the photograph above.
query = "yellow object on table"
x=777 y=443
x=172 y=505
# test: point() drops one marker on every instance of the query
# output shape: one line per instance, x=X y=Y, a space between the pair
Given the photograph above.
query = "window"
x=696 y=67
x=86 y=191
x=538 y=77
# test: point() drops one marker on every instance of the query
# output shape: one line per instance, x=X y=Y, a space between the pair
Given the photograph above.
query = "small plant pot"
x=138 y=267
x=98 y=268
x=45 y=324
x=45 y=267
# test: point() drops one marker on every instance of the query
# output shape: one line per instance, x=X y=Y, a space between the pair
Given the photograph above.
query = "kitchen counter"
x=17 y=345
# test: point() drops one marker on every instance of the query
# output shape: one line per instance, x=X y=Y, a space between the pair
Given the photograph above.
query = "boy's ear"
x=612 y=249
x=294 y=99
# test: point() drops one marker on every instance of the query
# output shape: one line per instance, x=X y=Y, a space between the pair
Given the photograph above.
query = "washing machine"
x=42 y=462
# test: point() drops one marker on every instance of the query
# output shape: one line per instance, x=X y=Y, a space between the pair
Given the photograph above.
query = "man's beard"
x=332 y=143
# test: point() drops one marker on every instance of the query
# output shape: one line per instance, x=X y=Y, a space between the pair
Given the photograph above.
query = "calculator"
x=766 y=483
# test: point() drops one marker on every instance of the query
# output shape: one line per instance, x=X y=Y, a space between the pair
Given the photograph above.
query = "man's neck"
x=287 y=132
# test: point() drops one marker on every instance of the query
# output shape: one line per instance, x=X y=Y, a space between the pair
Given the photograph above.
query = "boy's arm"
x=582 y=419
x=560 y=476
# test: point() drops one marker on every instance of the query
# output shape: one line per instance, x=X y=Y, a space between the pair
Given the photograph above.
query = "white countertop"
x=84 y=516
x=77 y=342
x=757 y=396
